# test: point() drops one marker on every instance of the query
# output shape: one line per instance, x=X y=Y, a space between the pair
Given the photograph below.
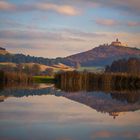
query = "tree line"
x=21 y=58
x=131 y=65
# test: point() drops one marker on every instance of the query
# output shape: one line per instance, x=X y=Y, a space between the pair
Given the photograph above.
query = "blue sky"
x=53 y=28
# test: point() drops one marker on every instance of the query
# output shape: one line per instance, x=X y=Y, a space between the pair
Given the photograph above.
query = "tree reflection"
x=111 y=101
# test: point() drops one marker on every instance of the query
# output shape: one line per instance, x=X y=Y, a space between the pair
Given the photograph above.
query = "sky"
x=58 y=28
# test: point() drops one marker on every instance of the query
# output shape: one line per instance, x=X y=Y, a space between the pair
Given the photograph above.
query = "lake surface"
x=43 y=112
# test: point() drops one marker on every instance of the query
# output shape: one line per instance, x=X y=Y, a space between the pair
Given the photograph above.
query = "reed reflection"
x=113 y=102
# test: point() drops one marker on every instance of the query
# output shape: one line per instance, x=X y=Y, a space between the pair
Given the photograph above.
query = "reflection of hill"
x=111 y=103
x=130 y=97
x=104 y=102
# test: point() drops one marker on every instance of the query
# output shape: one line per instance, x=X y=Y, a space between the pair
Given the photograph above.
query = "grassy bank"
x=22 y=78
x=43 y=79
x=91 y=69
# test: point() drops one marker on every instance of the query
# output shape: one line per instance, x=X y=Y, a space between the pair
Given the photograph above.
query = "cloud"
x=65 y=41
x=29 y=35
x=112 y=22
x=65 y=35
x=107 y=22
x=129 y=6
x=67 y=7
x=5 y=6
x=126 y=6
x=133 y=24
x=62 y=9
x=83 y=34
x=56 y=35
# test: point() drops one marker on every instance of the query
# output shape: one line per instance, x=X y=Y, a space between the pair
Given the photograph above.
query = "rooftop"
x=118 y=43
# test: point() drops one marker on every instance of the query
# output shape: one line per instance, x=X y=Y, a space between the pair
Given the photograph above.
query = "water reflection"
x=113 y=102
x=43 y=112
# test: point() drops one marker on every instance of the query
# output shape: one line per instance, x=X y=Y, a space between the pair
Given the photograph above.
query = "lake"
x=43 y=112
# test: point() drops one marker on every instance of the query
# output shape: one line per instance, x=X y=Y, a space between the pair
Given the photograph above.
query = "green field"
x=91 y=69
x=43 y=79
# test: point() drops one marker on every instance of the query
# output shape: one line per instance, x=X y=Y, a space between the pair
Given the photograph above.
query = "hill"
x=3 y=51
x=100 y=56
x=21 y=58
x=57 y=67
x=103 y=55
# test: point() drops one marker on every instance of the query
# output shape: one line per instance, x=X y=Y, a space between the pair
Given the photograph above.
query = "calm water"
x=45 y=113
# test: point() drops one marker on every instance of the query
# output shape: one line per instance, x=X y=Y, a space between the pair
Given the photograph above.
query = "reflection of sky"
x=58 y=118
x=68 y=26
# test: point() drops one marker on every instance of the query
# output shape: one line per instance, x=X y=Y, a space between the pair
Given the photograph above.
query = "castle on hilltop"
x=118 y=43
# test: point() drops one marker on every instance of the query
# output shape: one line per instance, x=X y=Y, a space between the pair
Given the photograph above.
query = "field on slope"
x=91 y=69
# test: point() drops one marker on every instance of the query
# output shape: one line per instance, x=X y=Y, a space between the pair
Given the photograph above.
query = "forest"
x=131 y=65
x=21 y=58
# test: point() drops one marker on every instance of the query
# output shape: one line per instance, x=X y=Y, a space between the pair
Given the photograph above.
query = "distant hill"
x=3 y=51
x=21 y=58
x=104 y=55
x=100 y=56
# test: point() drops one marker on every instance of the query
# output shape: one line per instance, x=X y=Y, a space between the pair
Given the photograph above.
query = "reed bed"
x=14 y=78
x=76 y=81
